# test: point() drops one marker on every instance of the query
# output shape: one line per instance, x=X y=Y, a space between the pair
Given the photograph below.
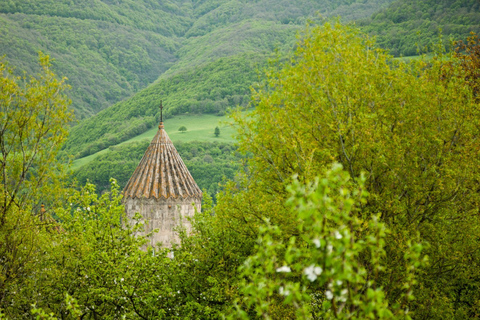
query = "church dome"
x=161 y=174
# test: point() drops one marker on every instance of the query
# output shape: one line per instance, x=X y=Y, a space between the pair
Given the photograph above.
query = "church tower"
x=162 y=190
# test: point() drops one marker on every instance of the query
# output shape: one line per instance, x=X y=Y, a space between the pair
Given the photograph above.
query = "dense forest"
x=352 y=191
x=106 y=56
x=410 y=27
x=111 y=49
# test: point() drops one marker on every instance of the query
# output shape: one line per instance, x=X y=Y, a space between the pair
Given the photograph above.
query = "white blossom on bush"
x=284 y=269
x=312 y=272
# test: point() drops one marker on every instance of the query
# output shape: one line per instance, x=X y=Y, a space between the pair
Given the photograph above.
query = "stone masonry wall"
x=163 y=215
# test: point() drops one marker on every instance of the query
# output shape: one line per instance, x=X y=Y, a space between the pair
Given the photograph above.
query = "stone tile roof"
x=161 y=174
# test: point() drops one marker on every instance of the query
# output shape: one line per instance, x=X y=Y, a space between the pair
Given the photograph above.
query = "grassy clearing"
x=80 y=162
x=199 y=128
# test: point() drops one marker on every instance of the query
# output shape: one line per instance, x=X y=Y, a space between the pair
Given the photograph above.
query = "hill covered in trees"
x=112 y=49
x=246 y=34
x=107 y=51
x=211 y=88
x=407 y=27
x=211 y=51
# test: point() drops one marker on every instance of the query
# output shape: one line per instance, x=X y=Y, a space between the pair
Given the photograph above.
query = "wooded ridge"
x=111 y=49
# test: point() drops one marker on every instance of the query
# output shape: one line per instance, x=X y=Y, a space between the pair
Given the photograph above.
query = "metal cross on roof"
x=161 y=111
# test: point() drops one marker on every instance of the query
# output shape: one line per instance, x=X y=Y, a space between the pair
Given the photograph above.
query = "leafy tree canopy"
x=34 y=116
x=412 y=129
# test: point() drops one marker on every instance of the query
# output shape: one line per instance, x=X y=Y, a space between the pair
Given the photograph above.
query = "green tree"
x=322 y=274
x=468 y=53
x=34 y=116
x=34 y=119
x=412 y=130
x=182 y=129
x=216 y=132
x=97 y=258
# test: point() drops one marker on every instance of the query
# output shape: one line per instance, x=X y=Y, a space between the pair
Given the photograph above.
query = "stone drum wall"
x=164 y=215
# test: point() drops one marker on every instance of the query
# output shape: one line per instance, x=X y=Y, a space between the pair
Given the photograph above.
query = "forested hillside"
x=244 y=33
x=210 y=52
x=224 y=28
x=108 y=52
x=408 y=25
x=111 y=49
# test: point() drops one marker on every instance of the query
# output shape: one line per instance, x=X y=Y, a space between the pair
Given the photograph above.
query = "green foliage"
x=216 y=132
x=207 y=263
x=326 y=272
x=93 y=255
x=182 y=129
x=108 y=50
x=72 y=309
x=119 y=164
x=217 y=14
x=410 y=128
x=96 y=256
x=244 y=37
x=406 y=26
x=111 y=50
x=96 y=261
x=468 y=53
x=165 y=18
x=34 y=115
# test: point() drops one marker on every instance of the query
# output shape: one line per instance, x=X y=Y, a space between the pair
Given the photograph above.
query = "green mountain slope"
x=164 y=17
x=243 y=32
x=407 y=23
x=109 y=49
x=104 y=62
x=210 y=88
x=248 y=36
x=224 y=28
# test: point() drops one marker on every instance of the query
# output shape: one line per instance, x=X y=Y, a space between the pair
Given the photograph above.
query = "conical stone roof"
x=161 y=174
